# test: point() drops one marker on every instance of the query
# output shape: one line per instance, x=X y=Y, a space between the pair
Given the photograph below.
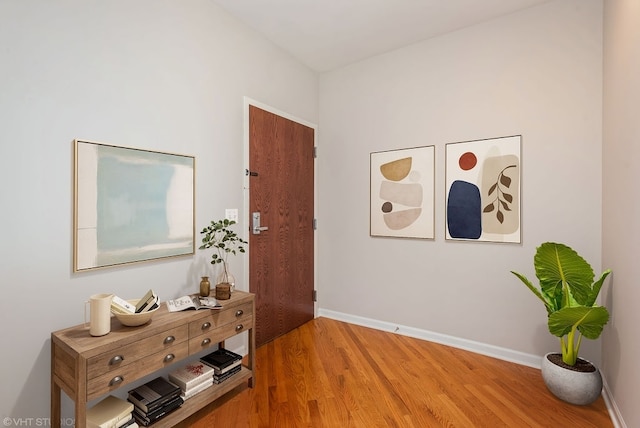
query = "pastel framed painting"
x=131 y=205
x=483 y=190
x=402 y=193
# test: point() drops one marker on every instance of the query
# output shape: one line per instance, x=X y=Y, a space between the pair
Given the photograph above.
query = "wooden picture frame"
x=131 y=205
x=483 y=190
x=402 y=189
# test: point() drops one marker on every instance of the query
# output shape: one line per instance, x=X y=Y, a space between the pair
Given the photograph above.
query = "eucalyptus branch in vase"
x=224 y=241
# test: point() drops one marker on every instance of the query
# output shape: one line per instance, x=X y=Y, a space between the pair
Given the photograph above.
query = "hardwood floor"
x=327 y=373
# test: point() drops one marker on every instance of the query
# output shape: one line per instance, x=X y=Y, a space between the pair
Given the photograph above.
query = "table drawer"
x=113 y=361
x=218 y=318
x=209 y=338
x=150 y=363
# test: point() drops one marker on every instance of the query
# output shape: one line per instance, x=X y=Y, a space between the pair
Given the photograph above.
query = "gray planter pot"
x=571 y=386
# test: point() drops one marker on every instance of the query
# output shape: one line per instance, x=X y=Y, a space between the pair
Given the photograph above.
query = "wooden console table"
x=87 y=367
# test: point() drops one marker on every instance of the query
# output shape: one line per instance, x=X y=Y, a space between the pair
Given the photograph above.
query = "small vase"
x=205 y=286
x=226 y=277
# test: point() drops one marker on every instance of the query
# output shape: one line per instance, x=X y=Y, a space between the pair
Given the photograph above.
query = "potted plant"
x=218 y=235
x=569 y=293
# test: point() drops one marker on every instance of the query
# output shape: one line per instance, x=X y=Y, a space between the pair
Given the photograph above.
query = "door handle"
x=256 y=228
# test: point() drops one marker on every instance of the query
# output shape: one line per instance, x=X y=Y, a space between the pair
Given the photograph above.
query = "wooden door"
x=281 y=189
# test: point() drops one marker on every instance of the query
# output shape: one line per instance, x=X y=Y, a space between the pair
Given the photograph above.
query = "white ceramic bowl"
x=134 y=320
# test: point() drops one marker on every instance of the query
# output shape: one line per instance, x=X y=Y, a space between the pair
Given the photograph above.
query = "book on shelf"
x=130 y=423
x=221 y=378
x=221 y=359
x=111 y=412
x=191 y=375
x=192 y=301
x=126 y=422
x=219 y=372
x=197 y=389
x=154 y=394
x=147 y=418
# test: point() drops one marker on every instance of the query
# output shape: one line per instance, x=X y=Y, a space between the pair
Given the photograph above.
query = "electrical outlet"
x=231 y=214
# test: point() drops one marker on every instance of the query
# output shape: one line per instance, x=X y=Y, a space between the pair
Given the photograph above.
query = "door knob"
x=256 y=228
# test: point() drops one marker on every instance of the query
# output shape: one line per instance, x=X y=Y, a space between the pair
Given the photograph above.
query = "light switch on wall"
x=231 y=214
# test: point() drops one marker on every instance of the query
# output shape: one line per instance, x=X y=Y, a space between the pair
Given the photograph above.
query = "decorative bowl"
x=134 y=320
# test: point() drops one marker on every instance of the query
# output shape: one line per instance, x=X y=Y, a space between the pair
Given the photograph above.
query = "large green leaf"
x=547 y=302
x=558 y=266
x=595 y=290
x=589 y=321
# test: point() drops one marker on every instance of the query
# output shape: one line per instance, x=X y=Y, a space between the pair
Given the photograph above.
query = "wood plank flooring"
x=328 y=373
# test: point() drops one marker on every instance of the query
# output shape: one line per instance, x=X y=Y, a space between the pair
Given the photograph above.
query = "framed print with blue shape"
x=483 y=190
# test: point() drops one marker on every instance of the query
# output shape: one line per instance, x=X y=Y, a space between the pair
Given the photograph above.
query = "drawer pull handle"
x=206 y=325
x=115 y=360
x=169 y=357
x=116 y=380
x=169 y=339
x=206 y=341
x=239 y=327
x=239 y=313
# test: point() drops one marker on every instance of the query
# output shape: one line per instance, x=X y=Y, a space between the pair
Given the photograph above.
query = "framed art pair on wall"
x=482 y=191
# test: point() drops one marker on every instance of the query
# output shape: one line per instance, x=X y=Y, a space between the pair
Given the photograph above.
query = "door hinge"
x=315 y=295
x=315 y=224
x=315 y=151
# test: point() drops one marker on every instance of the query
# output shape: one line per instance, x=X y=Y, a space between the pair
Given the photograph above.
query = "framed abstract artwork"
x=131 y=205
x=402 y=193
x=483 y=190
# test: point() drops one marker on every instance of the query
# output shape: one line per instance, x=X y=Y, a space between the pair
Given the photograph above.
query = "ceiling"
x=329 y=34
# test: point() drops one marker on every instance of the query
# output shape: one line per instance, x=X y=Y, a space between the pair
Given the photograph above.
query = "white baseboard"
x=468 y=345
x=614 y=412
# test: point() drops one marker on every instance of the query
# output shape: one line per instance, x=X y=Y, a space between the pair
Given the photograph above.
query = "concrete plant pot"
x=573 y=386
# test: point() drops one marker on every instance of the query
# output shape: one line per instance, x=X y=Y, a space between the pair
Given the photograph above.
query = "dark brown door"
x=281 y=190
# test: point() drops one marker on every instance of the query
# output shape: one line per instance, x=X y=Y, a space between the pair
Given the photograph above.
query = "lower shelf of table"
x=198 y=401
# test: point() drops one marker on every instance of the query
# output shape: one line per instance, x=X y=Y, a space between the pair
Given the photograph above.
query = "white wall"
x=621 y=236
x=159 y=75
x=171 y=76
x=537 y=73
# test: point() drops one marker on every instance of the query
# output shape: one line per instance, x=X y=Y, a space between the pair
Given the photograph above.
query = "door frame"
x=245 y=185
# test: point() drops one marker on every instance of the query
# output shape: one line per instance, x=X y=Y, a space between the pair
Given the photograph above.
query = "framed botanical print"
x=483 y=190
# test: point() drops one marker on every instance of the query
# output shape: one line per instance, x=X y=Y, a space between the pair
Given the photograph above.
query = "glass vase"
x=226 y=276
x=205 y=286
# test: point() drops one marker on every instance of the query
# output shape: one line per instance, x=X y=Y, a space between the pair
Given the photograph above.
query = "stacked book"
x=148 y=302
x=224 y=363
x=112 y=412
x=192 y=378
x=154 y=400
